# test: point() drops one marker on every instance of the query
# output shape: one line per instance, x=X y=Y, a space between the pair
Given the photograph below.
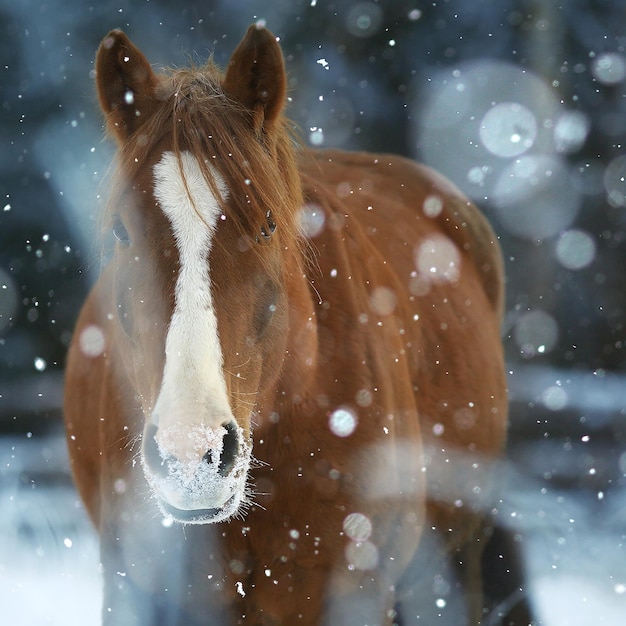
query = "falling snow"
x=522 y=110
x=343 y=421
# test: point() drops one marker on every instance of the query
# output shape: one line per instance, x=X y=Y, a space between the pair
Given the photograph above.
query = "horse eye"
x=267 y=230
x=119 y=231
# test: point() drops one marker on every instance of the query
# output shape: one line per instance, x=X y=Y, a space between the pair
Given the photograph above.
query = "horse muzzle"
x=204 y=479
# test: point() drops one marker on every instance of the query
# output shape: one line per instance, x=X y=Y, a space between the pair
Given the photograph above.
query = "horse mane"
x=259 y=167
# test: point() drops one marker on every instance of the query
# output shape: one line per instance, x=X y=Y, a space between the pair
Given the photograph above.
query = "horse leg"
x=468 y=561
x=504 y=585
x=431 y=590
x=454 y=590
x=370 y=602
x=159 y=575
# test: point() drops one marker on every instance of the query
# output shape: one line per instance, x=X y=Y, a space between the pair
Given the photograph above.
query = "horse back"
x=402 y=187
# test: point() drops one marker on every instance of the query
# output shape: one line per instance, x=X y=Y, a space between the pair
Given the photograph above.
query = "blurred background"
x=522 y=103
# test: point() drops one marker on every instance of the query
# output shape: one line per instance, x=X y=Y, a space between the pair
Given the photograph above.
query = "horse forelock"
x=195 y=116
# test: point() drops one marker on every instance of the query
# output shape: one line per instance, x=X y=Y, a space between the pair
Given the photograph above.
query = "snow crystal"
x=196 y=441
x=193 y=484
x=342 y=421
x=40 y=364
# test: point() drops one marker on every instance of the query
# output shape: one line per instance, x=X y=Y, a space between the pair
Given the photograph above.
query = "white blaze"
x=193 y=391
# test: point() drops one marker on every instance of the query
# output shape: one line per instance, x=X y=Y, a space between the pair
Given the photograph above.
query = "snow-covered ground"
x=49 y=572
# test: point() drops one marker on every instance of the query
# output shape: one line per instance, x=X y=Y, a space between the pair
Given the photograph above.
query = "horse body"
x=365 y=366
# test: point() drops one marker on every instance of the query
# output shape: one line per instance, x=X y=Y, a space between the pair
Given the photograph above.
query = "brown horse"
x=335 y=315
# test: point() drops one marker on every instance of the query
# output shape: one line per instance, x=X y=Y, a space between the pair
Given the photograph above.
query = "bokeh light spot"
x=312 y=220
x=508 y=129
x=575 y=249
x=92 y=341
x=536 y=333
x=357 y=526
x=438 y=259
x=343 y=421
x=362 y=555
x=382 y=301
x=609 y=68
x=364 y=19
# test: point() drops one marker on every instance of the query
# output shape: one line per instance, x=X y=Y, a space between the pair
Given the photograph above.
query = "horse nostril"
x=153 y=459
x=160 y=466
x=230 y=448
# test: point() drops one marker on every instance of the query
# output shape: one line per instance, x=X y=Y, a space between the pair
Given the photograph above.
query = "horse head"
x=203 y=210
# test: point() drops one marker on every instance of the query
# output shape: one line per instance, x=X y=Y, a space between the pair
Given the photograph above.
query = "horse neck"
x=301 y=355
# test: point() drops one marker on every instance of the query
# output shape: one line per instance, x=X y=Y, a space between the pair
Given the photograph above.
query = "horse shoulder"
x=85 y=376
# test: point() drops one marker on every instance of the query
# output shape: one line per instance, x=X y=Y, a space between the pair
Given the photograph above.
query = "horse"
x=285 y=393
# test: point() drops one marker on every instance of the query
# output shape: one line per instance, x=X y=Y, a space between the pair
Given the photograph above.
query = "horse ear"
x=256 y=78
x=126 y=84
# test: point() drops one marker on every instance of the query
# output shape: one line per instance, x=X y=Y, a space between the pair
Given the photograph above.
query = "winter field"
x=521 y=104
